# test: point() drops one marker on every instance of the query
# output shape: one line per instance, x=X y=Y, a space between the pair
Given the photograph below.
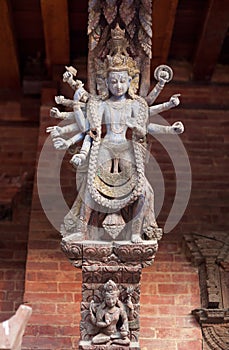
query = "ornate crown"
x=117 y=62
x=118 y=33
x=110 y=288
x=118 y=58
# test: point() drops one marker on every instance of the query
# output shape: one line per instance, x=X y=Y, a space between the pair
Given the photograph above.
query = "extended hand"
x=131 y=124
x=59 y=99
x=108 y=319
x=178 y=128
x=163 y=77
x=55 y=131
x=123 y=331
x=67 y=76
x=77 y=159
x=54 y=112
x=140 y=131
x=61 y=144
x=174 y=100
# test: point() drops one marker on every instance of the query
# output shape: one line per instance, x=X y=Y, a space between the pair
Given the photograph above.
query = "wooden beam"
x=56 y=31
x=9 y=66
x=211 y=39
x=163 y=18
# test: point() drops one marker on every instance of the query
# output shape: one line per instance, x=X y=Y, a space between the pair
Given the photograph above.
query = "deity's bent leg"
x=101 y=338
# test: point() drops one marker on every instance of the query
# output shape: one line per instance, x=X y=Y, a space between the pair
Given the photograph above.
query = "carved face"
x=118 y=83
x=111 y=300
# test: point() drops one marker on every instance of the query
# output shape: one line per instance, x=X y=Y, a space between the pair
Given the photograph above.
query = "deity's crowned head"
x=111 y=293
x=118 y=61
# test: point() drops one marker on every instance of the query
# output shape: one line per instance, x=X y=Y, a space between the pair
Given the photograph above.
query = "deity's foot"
x=136 y=238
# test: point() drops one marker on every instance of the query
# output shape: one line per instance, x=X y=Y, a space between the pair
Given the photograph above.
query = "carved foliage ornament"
x=134 y=14
x=121 y=253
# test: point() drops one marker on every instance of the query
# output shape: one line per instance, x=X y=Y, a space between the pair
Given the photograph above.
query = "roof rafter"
x=163 y=18
x=56 y=31
x=9 y=66
x=215 y=25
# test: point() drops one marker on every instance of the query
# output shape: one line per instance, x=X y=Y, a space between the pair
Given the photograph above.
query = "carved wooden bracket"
x=105 y=253
x=121 y=262
x=210 y=252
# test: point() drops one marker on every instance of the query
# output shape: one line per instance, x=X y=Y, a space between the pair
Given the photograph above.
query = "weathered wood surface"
x=12 y=330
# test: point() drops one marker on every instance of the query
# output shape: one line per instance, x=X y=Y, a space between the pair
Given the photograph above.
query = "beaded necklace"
x=117 y=127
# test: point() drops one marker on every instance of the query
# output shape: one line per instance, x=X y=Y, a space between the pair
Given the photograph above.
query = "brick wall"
x=17 y=156
x=169 y=292
x=204 y=112
x=53 y=286
x=170 y=288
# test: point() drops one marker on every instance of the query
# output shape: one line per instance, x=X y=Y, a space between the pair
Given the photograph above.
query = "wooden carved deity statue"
x=111 y=229
x=115 y=199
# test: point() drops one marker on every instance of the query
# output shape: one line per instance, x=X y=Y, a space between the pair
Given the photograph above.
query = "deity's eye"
x=123 y=80
x=113 y=81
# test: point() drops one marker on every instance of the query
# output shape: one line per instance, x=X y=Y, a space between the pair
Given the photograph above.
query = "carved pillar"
x=120 y=262
x=111 y=230
x=210 y=252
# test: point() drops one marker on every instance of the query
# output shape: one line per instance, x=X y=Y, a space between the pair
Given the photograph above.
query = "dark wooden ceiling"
x=44 y=33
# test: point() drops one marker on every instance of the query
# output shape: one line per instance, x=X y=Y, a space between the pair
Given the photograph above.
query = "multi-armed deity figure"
x=112 y=126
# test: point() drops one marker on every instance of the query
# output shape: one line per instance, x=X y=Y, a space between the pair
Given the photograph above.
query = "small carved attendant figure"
x=110 y=317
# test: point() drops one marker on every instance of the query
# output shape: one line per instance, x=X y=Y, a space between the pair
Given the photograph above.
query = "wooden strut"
x=12 y=330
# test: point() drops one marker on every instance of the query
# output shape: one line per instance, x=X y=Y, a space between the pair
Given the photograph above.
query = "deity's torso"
x=116 y=165
x=115 y=118
x=112 y=317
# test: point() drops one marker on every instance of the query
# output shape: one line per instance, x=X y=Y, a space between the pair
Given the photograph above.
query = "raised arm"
x=56 y=131
x=63 y=144
x=173 y=102
x=163 y=74
x=80 y=157
x=176 y=128
x=68 y=76
x=55 y=113
x=80 y=118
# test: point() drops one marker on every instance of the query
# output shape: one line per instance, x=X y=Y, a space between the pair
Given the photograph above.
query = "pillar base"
x=120 y=262
x=87 y=345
